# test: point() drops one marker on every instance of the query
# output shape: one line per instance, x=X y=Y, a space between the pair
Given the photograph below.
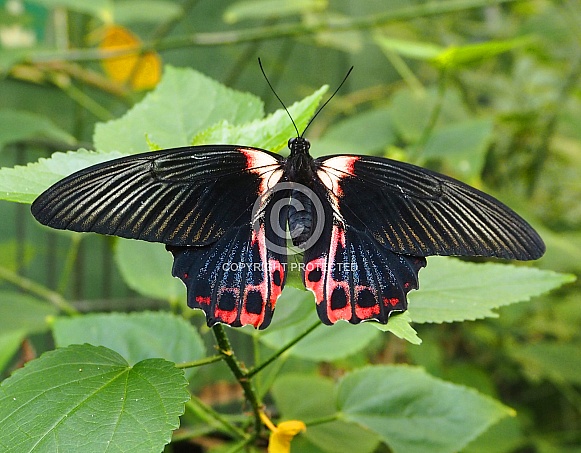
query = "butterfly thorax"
x=300 y=166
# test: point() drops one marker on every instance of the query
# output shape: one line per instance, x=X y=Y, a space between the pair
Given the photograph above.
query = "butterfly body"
x=363 y=225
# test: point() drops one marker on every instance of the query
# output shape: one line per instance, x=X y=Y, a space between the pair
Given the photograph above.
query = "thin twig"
x=209 y=415
x=201 y=362
x=281 y=351
x=39 y=290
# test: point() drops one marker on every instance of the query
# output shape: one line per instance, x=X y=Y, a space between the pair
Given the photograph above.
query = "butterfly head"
x=299 y=145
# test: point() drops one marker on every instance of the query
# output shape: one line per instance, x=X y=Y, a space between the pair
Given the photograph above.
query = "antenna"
x=328 y=100
x=279 y=99
x=316 y=113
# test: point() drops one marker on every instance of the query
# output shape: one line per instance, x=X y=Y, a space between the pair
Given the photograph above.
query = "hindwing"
x=237 y=279
x=352 y=276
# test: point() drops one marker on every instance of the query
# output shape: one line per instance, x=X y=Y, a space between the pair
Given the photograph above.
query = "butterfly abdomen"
x=300 y=217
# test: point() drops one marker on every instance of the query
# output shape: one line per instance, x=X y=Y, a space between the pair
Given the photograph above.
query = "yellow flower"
x=281 y=435
x=140 y=71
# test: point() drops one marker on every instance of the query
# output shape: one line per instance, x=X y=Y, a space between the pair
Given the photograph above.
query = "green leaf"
x=555 y=361
x=415 y=412
x=411 y=112
x=18 y=125
x=399 y=325
x=318 y=400
x=411 y=49
x=449 y=57
x=271 y=133
x=364 y=133
x=462 y=146
x=87 y=398
x=20 y=316
x=24 y=183
x=10 y=57
x=148 y=11
x=20 y=312
x=9 y=344
x=454 y=290
x=135 y=336
x=270 y=9
x=97 y=8
x=460 y=56
x=184 y=103
x=146 y=268
x=502 y=437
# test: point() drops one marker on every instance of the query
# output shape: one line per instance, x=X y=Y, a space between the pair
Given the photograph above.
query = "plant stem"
x=201 y=362
x=228 y=354
x=285 y=348
x=327 y=419
x=208 y=414
x=278 y=31
x=39 y=290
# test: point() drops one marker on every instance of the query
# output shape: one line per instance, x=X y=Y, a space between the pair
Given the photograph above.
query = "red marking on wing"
x=333 y=170
x=203 y=300
x=366 y=312
x=225 y=316
x=267 y=167
x=269 y=291
x=393 y=301
x=324 y=287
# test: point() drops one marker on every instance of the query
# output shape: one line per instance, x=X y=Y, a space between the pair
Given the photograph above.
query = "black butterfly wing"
x=414 y=211
x=182 y=196
x=238 y=279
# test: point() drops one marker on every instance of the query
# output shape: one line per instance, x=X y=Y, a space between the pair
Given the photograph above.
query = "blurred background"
x=486 y=91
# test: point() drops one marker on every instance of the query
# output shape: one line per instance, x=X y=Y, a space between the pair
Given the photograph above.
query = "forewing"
x=237 y=280
x=414 y=211
x=181 y=197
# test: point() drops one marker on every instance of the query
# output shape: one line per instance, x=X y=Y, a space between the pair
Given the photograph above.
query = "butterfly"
x=367 y=222
x=232 y=216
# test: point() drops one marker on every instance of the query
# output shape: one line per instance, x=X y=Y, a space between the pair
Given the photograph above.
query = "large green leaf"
x=146 y=268
x=184 y=103
x=87 y=398
x=271 y=133
x=135 y=336
x=454 y=290
x=414 y=412
x=24 y=183
x=300 y=397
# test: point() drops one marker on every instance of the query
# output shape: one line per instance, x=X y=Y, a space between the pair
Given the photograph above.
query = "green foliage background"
x=486 y=91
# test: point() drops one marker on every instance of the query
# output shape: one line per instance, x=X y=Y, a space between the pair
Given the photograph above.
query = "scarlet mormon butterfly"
x=364 y=224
